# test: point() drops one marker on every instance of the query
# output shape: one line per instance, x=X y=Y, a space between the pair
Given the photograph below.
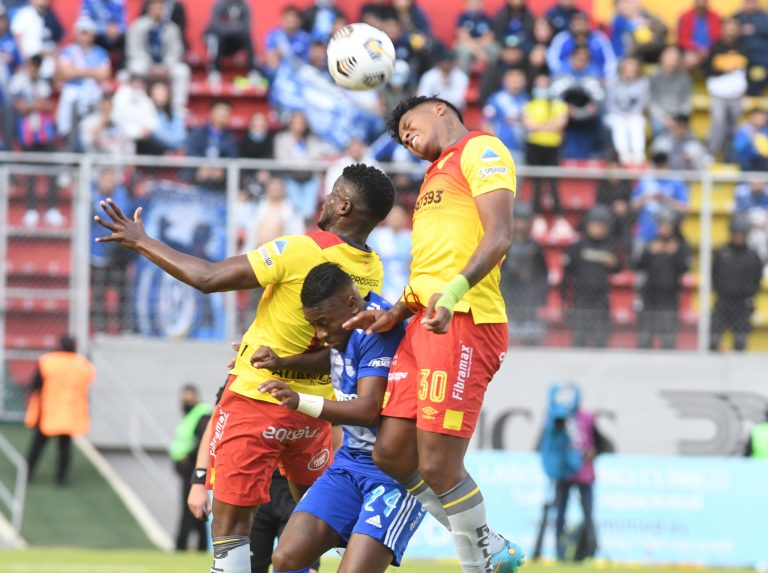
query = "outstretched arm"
x=234 y=273
x=364 y=411
x=315 y=361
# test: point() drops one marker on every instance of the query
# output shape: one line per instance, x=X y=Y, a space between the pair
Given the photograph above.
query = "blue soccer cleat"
x=508 y=559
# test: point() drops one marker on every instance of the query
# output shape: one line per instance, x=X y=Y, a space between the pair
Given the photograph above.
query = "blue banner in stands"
x=188 y=219
x=681 y=510
x=334 y=114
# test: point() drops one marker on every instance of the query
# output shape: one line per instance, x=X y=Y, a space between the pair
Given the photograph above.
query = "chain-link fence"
x=600 y=258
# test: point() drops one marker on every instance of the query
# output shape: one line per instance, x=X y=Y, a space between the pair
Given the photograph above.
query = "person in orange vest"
x=58 y=404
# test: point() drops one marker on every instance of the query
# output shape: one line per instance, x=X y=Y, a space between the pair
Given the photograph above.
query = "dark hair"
x=406 y=105
x=659 y=158
x=217 y=102
x=67 y=343
x=291 y=8
x=189 y=387
x=323 y=282
x=374 y=186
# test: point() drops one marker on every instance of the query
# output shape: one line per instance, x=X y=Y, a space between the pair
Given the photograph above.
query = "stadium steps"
x=85 y=513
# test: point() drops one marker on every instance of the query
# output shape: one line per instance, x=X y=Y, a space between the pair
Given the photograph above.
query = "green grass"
x=100 y=561
x=85 y=513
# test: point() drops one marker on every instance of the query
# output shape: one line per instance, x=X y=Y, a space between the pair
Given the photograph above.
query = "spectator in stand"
x=750 y=144
x=446 y=80
x=579 y=35
x=214 y=140
x=754 y=36
x=698 y=30
x=134 y=111
x=298 y=144
x=274 y=217
x=155 y=49
x=356 y=152
x=257 y=142
x=318 y=20
x=545 y=118
x=397 y=88
x=726 y=71
x=626 y=100
x=392 y=241
x=9 y=61
x=511 y=57
x=37 y=31
x=653 y=195
x=287 y=40
x=537 y=59
x=680 y=146
x=475 y=41
x=376 y=12
x=736 y=274
x=503 y=114
x=82 y=67
x=33 y=103
x=524 y=280
x=587 y=267
x=513 y=25
x=109 y=262
x=615 y=193
x=413 y=19
x=671 y=91
x=228 y=32
x=170 y=135
x=174 y=12
x=752 y=204
x=100 y=133
x=663 y=261
x=111 y=24
x=561 y=14
x=636 y=32
x=580 y=88
x=415 y=54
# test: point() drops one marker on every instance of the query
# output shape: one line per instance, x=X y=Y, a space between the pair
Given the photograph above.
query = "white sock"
x=231 y=554
x=465 y=509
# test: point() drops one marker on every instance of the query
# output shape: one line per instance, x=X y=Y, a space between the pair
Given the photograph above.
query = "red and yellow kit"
x=253 y=434
x=445 y=376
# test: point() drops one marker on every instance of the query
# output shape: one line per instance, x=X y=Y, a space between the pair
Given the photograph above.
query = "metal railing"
x=14 y=500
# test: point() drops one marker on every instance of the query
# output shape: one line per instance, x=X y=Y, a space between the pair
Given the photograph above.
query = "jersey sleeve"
x=487 y=165
x=277 y=261
x=377 y=351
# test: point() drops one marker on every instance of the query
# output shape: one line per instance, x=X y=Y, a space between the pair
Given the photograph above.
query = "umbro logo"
x=375 y=521
x=429 y=412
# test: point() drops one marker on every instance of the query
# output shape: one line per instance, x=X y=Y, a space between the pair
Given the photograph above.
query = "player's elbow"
x=370 y=417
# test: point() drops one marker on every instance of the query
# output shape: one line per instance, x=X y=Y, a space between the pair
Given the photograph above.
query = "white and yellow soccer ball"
x=360 y=57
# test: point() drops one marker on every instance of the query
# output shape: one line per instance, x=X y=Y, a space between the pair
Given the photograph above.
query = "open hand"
x=129 y=233
x=436 y=319
x=372 y=321
x=279 y=391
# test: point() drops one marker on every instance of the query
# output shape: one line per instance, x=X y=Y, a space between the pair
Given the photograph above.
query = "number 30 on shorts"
x=390 y=499
x=433 y=385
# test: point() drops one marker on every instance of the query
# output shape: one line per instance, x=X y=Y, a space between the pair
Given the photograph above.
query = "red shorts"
x=250 y=438
x=439 y=380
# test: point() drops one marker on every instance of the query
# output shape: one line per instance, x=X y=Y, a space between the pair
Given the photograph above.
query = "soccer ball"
x=360 y=57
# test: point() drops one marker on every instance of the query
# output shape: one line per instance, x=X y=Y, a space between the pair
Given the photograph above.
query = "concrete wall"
x=650 y=403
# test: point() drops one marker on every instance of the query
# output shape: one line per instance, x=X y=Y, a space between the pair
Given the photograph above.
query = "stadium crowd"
x=556 y=87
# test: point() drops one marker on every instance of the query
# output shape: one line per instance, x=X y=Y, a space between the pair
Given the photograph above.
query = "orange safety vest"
x=61 y=408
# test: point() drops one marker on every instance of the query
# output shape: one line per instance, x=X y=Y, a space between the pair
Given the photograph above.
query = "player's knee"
x=439 y=475
x=283 y=560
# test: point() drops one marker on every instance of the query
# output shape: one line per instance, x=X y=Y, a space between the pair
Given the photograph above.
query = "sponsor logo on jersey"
x=375 y=521
x=285 y=435
x=344 y=397
x=396 y=376
x=280 y=246
x=465 y=367
x=265 y=255
x=487 y=171
x=383 y=362
x=489 y=155
x=218 y=432
x=364 y=281
x=319 y=460
x=429 y=412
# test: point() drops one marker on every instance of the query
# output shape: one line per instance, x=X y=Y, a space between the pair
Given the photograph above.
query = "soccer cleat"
x=508 y=559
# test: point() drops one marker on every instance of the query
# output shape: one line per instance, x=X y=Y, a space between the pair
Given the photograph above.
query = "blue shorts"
x=360 y=499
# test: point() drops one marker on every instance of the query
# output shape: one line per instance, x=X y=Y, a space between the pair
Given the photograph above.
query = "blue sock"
x=305 y=570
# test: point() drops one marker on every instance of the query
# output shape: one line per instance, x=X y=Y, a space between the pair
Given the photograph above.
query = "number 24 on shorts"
x=390 y=499
x=434 y=388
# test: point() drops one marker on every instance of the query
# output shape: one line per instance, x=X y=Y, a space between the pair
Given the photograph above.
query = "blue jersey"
x=353 y=496
x=364 y=356
x=504 y=111
x=91 y=59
